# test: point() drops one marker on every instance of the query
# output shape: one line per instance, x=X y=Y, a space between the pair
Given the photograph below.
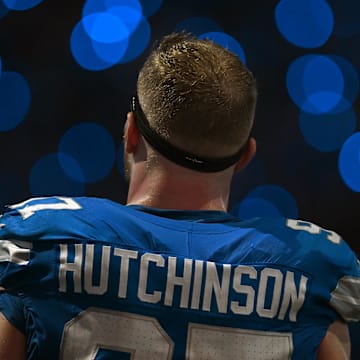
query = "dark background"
x=35 y=43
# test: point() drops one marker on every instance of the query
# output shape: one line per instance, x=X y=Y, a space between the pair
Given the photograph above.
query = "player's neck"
x=179 y=190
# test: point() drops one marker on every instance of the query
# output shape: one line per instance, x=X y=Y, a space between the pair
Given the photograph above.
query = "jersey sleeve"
x=335 y=267
x=345 y=298
x=14 y=257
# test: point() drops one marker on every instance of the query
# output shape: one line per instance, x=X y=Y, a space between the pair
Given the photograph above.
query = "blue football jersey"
x=87 y=278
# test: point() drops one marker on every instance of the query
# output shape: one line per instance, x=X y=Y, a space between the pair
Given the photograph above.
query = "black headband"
x=176 y=155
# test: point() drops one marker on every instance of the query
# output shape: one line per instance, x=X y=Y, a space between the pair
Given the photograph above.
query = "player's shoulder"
x=58 y=215
x=321 y=253
x=36 y=207
x=307 y=239
x=33 y=206
x=294 y=230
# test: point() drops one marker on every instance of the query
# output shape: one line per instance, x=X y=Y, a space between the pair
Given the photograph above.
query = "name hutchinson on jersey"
x=181 y=282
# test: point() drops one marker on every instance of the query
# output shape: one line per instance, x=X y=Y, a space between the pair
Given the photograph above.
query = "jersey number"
x=143 y=338
x=313 y=229
x=61 y=203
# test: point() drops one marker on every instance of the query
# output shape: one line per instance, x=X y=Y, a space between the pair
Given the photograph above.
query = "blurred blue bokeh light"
x=267 y=200
x=316 y=84
x=111 y=32
x=198 y=25
x=93 y=55
x=48 y=178
x=305 y=23
x=21 y=4
x=227 y=42
x=327 y=132
x=92 y=147
x=349 y=162
x=15 y=98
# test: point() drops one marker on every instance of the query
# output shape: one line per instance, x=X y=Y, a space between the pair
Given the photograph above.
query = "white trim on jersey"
x=15 y=251
x=345 y=299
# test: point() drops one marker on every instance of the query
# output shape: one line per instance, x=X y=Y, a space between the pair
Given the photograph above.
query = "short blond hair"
x=198 y=95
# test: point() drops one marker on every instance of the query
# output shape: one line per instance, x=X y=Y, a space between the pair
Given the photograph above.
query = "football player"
x=172 y=275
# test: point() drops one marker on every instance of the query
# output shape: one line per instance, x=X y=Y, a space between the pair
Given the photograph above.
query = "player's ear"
x=131 y=134
x=247 y=156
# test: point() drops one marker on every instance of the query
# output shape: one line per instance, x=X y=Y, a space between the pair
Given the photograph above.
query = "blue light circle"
x=198 y=25
x=93 y=55
x=134 y=33
x=349 y=162
x=327 y=132
x=21 y=4
x=109 y=35
x=47 y=178
x=227 y=42
x=92 y=147
x=316 y=84
x=15 y=98
x=305 y=23
x=268 y=200
x=151 y=7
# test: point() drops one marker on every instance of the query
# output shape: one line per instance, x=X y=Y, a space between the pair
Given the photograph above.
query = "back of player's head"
x=198 y=96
